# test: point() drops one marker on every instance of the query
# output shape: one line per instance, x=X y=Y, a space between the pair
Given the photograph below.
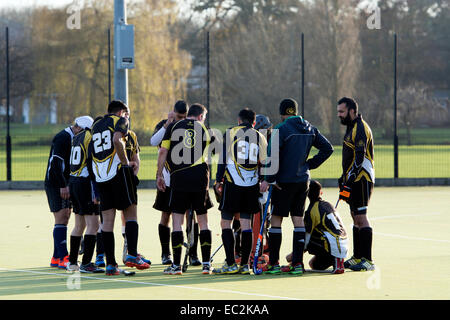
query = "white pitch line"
x=154 y=284
x=410 y=238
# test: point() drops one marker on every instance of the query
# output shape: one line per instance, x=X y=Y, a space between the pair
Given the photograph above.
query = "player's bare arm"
x=162 y=157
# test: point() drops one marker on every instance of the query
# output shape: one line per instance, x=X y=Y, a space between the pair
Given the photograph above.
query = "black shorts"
x=290 y=199
x=322 y=259
x=120 y=192
x=162 y=200
x=360 y=196
x=81 y=195
x=55 y=202
x=199 y=201
x=238 y=199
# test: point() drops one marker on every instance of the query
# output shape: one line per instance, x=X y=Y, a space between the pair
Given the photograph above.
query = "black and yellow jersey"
x=244 y=149
x=188 y=143
x=131 y=144
x=325 y=226
x=357 y=152
x=105 y=161
x=79 y=154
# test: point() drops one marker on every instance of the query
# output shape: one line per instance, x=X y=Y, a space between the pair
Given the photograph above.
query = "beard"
x=347 y=120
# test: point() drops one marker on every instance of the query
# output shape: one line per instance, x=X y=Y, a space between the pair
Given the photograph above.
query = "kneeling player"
x=326 y=238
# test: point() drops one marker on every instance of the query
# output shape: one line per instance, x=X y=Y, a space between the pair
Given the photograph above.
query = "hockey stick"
x=220 y=247
x=190 y=239
x=257 y=271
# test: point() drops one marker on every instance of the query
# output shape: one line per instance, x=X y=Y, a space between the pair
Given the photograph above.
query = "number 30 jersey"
x=105 y=161
x=244 y=150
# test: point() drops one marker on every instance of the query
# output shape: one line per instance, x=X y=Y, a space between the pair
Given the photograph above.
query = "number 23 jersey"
x=105 y=161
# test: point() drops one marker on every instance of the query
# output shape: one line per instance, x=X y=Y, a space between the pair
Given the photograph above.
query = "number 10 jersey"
x=105 y=161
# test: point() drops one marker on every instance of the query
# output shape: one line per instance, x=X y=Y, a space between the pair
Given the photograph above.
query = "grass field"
x=430 y=159
x=424 y=161
x=411 y=252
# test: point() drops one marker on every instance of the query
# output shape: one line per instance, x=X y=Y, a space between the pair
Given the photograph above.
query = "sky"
x=18 y=4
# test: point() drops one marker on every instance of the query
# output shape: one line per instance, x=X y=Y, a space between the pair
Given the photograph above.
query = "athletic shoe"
x=286 y=269
x=72 y=267
x=165 y=259
x=90 y=268
x=147 y=261
x=194 y=261
x=363 y=265
x=63 y=262
x=269 y=269
x=136 y=262
x=351 y=262
x=206 y=268
x=100 y=261
x=338 y=266
x=297 y=269
x=173 y=270
x=226 y=269
x=112 y=270
x=245 y=269
x=54 y=263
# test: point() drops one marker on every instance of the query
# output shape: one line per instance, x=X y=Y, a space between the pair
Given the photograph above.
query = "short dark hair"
x=314 y=191
x=349 y=103
x=196 y=109
x=116 y=106
x=247 y=115
x=180 y=107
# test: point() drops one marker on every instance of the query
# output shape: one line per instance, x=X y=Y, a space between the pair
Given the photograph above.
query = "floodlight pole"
x=109 y=65
x=395 y=110
x=120 y=75
x=303 y=75
x=8 y=136
x=207 y=78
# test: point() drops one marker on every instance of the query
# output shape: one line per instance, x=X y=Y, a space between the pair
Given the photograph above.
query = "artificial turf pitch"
x=410 y=249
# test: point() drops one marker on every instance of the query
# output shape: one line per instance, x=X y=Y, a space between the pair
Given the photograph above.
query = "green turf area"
x=411 y=241
x=425 y=161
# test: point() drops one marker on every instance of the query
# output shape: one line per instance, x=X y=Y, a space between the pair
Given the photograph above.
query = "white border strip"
x=153 y=284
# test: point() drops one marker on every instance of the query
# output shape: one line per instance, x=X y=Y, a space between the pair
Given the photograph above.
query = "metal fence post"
x=395 y=110
x=8 y=136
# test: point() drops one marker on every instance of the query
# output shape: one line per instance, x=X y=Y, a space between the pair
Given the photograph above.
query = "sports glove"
x=344 y=193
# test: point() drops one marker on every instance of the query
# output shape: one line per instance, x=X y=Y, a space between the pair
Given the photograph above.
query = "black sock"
x=205 y=244
x=274 y=245
x=109 y=245
x=164 y=238
x=74 y=248
x=237 y=236
x=100 y=247
x=193 y=250
x=365 y=239
x=298 y=245
x=356 y=243
x=132 y=232
x=89 y=244
x=60 y=238
x=247 y=241
x=228 y=245
x=177 y=246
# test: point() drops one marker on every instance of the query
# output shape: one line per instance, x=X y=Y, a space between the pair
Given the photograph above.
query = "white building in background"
x=26 y=111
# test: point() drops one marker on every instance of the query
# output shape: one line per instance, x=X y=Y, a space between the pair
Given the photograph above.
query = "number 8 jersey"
x=105 y=161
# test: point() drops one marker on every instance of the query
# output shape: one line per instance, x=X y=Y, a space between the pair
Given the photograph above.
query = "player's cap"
x=262 y=122
x=84 y=122
x=288 y=107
